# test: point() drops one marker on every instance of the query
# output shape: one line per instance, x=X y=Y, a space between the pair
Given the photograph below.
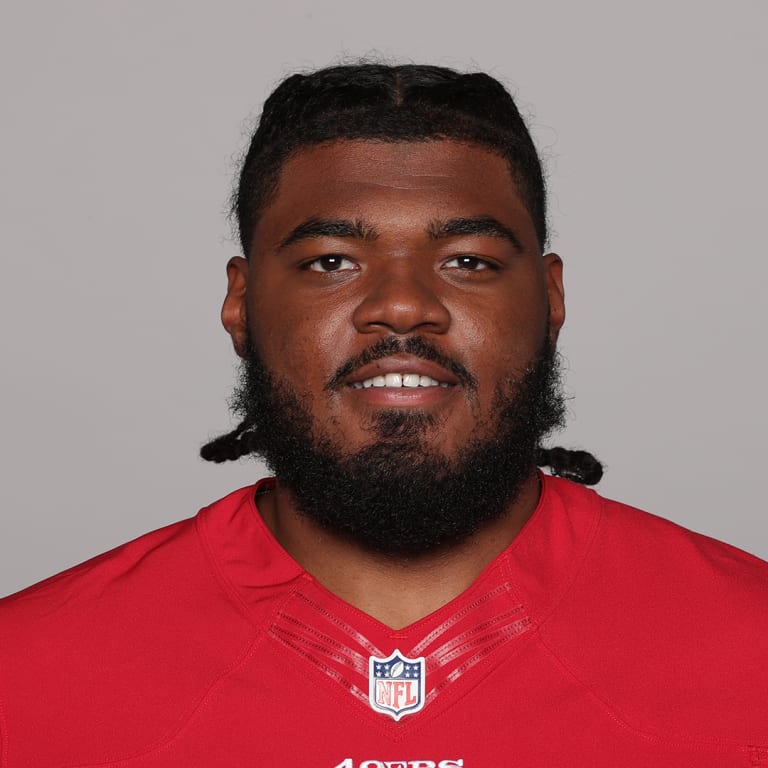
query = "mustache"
x=417 y=346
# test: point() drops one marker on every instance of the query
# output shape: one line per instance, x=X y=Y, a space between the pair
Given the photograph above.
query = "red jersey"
x=602 y=637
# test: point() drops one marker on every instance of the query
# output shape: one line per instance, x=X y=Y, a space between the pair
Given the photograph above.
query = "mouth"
x=410 y=367
x=399 y=380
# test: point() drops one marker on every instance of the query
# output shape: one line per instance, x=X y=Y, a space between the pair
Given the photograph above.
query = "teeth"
x=410 y=380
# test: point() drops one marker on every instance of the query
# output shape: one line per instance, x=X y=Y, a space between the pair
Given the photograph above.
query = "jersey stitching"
x=612 y=711
x=337 y=621
x=619 y=717
x=215 y=569
x=463 y=642
x=442 y=628
x=398 y=732
x=229 y=589
x=346 y=657
x=213 y=564
x=514 y=630
x=174 y=733
x=321 y=637
x=569 y=581
x=353 y=706
x=232 y=596
x=347 y=685
x=428 y=716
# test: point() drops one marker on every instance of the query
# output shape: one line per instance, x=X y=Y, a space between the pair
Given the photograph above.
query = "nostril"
x=402 y=305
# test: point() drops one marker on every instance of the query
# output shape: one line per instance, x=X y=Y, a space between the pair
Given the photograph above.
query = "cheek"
x=503 y=339
x=300 y=341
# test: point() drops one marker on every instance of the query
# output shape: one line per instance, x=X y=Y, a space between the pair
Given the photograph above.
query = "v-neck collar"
x=538 y=564
x=455 y=647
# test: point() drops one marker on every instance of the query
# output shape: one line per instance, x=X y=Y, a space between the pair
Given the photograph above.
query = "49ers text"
x=350 y=763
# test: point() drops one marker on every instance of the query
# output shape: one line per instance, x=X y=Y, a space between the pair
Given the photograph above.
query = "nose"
x=400 y=299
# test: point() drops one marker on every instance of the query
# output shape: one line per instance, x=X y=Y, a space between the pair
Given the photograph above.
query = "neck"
x=395 y=591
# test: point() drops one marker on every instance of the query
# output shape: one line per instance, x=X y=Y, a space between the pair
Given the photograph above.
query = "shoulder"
x=116 y=634
x=659 y=557
x=147 y=571
x=641 y=549
x=667 y=627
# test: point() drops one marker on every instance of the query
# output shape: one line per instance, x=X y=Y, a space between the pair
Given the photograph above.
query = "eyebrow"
x=315 y=227
x=476 y=225
x=437 y=230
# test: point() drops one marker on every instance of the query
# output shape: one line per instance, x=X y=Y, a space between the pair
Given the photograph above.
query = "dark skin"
x=364 y=240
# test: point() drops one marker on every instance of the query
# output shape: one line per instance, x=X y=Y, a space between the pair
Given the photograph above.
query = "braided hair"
x=392 y=104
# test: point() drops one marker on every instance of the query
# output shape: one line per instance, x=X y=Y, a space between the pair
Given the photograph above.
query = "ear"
x=553 y=272
x=234 y=314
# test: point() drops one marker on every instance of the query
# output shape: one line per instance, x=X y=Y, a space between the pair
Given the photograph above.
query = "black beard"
x=397 y=496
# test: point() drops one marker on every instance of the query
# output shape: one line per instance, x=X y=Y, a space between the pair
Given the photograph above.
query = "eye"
x=468 y=263
x=331 y=263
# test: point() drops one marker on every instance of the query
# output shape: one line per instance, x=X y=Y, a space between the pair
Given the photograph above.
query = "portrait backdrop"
x=121 y=133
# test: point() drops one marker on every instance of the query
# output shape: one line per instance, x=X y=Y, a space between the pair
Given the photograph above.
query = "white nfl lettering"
x=396 y=685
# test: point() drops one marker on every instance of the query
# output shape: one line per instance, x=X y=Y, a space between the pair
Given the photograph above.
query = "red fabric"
x=601 y=637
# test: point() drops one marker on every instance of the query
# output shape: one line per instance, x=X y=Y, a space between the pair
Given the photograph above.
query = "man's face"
x=397 y=323
x=368 y=246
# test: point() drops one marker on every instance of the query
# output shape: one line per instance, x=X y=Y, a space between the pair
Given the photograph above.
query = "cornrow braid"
x=232 y=445
x=390 y=104
x=579 y=466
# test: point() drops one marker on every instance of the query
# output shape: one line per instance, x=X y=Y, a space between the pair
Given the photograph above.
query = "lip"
x=402 y=364
x=401 y=397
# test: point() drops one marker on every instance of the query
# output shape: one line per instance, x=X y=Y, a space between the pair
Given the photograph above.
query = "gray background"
x=121 y=126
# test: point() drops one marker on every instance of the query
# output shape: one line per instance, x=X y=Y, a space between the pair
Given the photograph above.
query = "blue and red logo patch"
x=396 y=684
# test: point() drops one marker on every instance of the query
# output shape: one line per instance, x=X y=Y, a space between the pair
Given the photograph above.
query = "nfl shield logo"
x=396 y=684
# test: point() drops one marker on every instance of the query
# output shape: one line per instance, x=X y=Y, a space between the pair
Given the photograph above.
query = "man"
x=409 y=590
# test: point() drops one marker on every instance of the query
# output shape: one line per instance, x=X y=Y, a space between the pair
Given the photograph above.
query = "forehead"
x=397 y=184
